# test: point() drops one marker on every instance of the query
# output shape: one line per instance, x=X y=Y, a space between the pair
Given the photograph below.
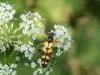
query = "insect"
x=47 y=50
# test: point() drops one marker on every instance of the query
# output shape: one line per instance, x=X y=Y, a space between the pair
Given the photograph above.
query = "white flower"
x=8 y=69
x=6 y=13
x=17 y=58
x=32 y=24
x=13 y=65
x=33 y=65
x=13 y=73
x=59 y=53
x=51 y=69
x=37 y=16
x=39 y=62
x=27 y=49
x=2 y=47
x=35 y=73
x=26 y=64
x=7 y=35
x=63 y=38
x=40 y=70
x=47 y=73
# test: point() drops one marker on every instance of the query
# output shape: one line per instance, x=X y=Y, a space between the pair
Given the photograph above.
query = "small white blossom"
x=35 y=73
x=13 y=65
x=39 y=62
x=17 y=58
x=2 y=47
x=26 y=64
x=42 y=71
x=33 y=65
x=32 y=24
x=47 y=73
x=51 y=69
x=6 y=13
x=13 y=73
x=59 y=53
x=38 y=71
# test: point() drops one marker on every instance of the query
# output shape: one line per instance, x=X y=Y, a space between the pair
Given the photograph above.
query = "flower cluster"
x=40 y=71
x=33 y=65
x=27 y=49
x=7 y=35
x=7 y=31
x=63 y=38
x=30 y=27
x=6 y=13
x=38 y=68
x=2 y=47
x=32 y=24
x=8 y=69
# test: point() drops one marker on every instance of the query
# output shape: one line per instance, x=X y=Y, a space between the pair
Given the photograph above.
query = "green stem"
x=4 y=57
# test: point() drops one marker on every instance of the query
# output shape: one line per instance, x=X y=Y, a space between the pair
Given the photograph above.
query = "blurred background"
x=83 y=18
